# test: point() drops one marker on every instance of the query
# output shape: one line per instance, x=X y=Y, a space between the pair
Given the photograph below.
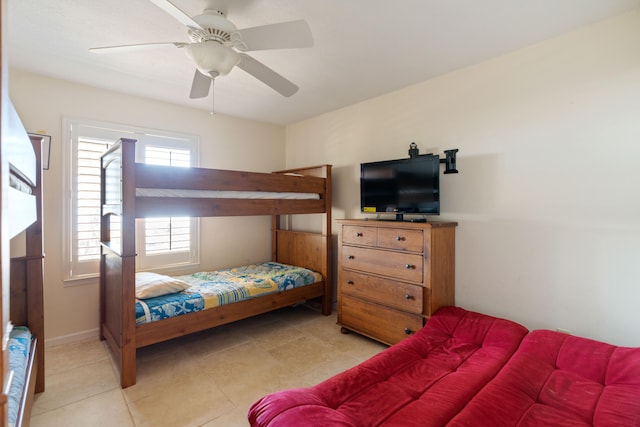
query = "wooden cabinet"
x=393 y=275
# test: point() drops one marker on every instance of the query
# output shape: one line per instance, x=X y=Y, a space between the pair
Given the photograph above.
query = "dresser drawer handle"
x=358 y=234
x=350 y=257
x=407 y=296
x=350 y=282
x=408 y=331
x=409 y=266
x=400 y=238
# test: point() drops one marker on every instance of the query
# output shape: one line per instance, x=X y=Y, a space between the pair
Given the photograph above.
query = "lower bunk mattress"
x=161 y=297
x=19 y=350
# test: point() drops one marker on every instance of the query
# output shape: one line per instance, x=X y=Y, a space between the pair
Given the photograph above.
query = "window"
x=167 y=235
x=166 y=241
x=162 y=242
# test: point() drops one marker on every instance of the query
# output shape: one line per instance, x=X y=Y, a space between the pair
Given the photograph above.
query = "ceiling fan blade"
x=200 y=86
x=266 y=75
x=177 y=13
x=284 y=35
x=134 y=47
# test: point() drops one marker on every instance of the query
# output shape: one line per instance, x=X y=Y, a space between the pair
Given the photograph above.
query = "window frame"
x=79 y=273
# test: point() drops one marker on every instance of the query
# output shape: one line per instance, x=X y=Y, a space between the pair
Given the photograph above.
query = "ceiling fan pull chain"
x=213 y=96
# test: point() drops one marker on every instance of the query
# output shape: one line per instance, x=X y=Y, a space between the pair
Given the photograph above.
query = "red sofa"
x=556 y=379
x=469 y=369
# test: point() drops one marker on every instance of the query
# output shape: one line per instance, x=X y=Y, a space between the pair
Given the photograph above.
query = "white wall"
x=225 y=143
x=547 y=197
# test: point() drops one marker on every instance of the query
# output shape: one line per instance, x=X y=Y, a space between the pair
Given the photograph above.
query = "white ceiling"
x=363 y=48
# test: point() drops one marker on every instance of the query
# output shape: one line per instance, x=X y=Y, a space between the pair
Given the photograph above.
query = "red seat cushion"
x=556 y=379
x=424 y=380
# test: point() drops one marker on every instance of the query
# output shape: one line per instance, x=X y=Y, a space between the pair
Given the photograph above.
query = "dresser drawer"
x=403 y=266
x=403 y=296
x=397 y=238
x=385 y=324
x=353 y=234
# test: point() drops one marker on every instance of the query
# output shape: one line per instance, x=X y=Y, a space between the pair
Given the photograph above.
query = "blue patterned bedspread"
x=215 y=288
x=19 y=347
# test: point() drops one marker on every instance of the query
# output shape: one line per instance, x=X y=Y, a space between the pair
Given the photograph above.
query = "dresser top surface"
x=397 y=224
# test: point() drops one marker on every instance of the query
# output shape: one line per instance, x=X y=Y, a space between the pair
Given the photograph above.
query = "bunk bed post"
x=327 y=298
x=105 y=233
x=35 y=270
x=117 y=315
x=128 y=236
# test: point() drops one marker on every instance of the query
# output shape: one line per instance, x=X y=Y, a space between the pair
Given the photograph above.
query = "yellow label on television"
x=369 y=209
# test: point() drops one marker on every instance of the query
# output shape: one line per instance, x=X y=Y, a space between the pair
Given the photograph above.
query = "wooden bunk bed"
x=22 y=282
x=122 y=177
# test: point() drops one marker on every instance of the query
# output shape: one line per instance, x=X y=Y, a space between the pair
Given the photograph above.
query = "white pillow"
x=149 y=285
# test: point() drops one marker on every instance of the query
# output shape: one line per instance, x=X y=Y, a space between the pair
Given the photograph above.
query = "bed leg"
x=327 y=297
x=128 y=368
x=326 y=306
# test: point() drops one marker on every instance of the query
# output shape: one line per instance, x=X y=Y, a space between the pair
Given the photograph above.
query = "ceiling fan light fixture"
x=212 y=57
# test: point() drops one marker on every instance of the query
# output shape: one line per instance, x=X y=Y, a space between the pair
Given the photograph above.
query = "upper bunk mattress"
x=216 y=194
x=216 y=288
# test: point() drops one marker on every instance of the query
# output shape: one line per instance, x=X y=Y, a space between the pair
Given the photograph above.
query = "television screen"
x=403 y=186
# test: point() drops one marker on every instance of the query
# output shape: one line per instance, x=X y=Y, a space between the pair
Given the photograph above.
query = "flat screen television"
x=403 y=186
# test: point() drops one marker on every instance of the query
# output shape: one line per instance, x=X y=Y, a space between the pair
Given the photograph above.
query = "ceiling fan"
x=217 y=46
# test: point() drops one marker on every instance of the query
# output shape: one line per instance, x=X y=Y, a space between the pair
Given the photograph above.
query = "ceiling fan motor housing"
x=215 y=25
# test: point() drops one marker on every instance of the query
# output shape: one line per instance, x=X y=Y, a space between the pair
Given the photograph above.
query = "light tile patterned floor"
x=205 y=379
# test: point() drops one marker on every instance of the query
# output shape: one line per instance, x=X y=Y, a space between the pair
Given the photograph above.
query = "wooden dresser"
x=393 y=275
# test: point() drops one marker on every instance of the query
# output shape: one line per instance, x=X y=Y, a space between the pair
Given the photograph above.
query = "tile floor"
x=205 y=379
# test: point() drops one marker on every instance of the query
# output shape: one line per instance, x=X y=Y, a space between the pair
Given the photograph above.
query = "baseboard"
x=66 y=339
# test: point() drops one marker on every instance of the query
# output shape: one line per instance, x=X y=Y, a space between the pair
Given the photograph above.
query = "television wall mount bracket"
x=449 y=157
